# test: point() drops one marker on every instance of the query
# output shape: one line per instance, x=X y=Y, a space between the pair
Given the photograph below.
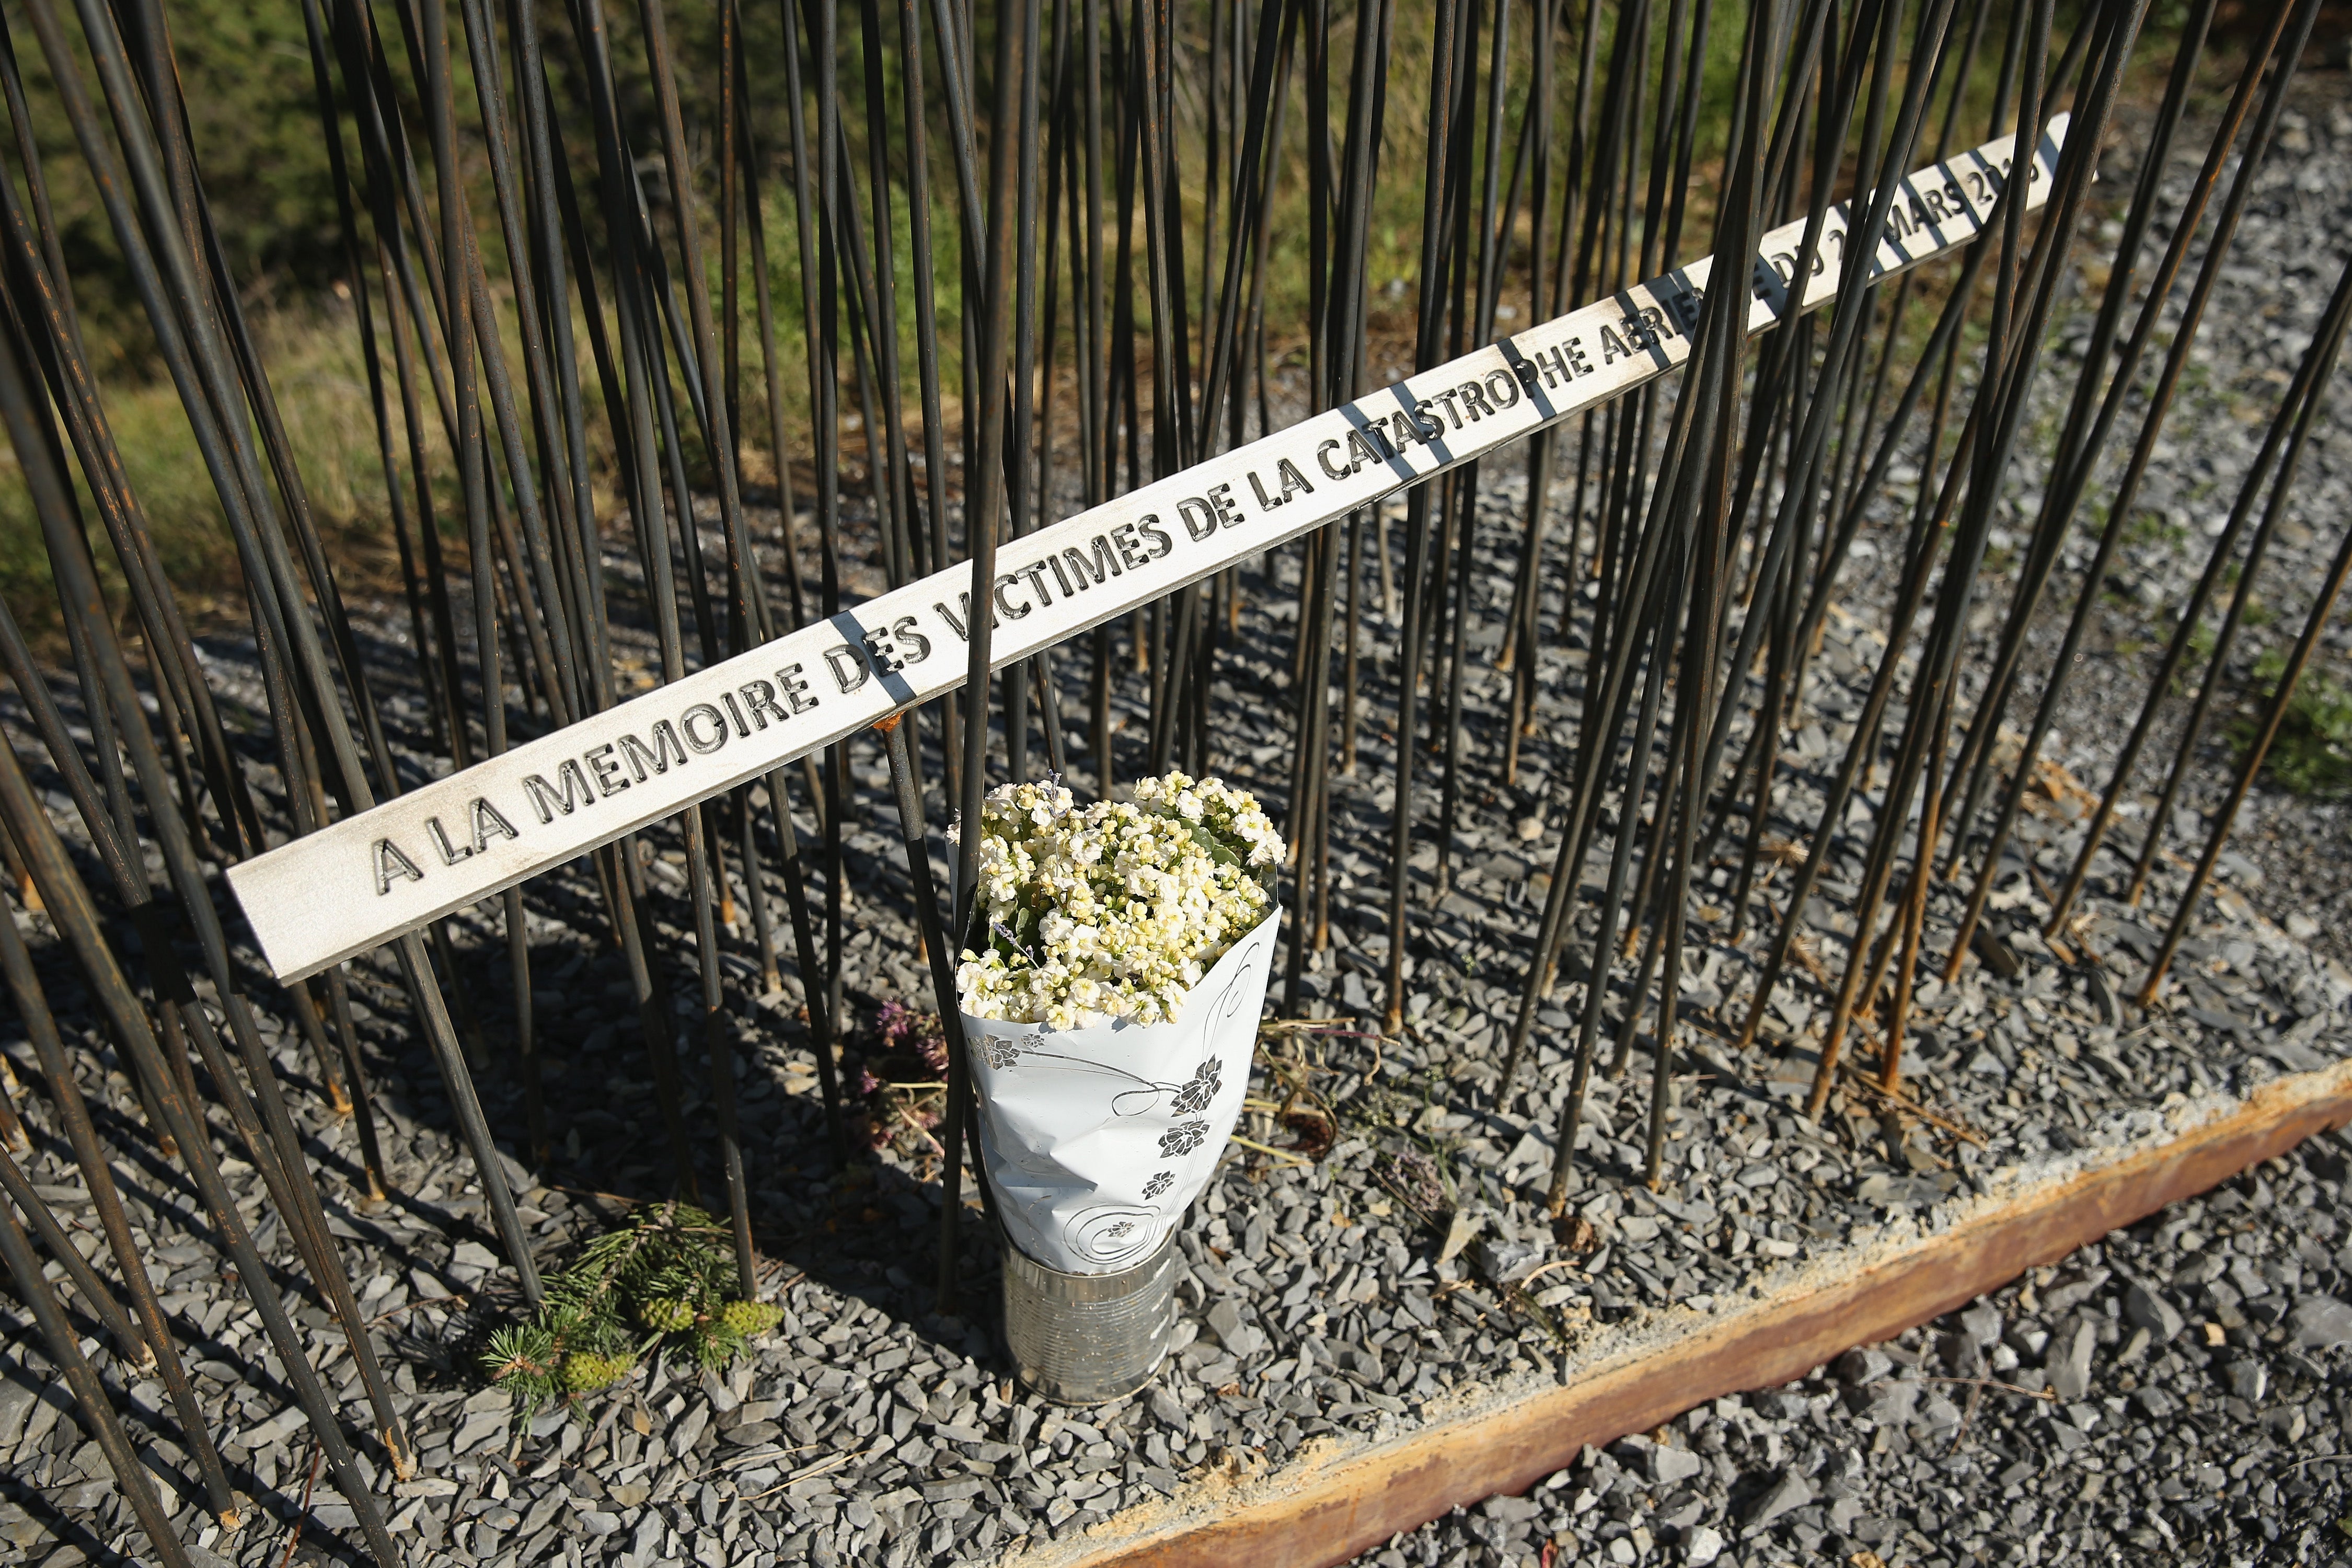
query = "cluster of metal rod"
x=1819 y=410
x=1787 y=572
x=1113 y=182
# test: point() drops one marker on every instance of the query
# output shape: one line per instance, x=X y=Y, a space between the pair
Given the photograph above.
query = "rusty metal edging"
x=1326 y=1512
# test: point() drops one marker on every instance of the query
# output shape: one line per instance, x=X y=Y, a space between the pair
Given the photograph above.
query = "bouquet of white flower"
x=1115 y=911
x=1110 y=991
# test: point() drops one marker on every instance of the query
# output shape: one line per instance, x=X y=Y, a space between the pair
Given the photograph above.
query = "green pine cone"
x=584 y=1371
x=670 y=1314
x=750 y=1317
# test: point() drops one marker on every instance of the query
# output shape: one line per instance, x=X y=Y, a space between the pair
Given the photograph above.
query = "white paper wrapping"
x=1096 y=1139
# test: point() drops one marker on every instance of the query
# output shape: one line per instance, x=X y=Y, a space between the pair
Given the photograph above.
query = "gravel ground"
x=2181 y=1390
x=1371 y=1277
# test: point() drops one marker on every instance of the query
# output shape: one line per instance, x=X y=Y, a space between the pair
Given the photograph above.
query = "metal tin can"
x=1083 y=1339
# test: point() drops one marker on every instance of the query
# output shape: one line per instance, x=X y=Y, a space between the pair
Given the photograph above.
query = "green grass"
x=2148 y=527
x=321 y=394
x=2312 y=755
x=2194 y=658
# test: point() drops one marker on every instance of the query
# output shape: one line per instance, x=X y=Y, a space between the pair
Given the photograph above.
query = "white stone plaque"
x=367 y=877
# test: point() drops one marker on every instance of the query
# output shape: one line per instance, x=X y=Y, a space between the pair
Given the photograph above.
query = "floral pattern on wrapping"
x=1183 y=1139
x=1160 y=1182
x=1003 y=1051
x=1201 y=1089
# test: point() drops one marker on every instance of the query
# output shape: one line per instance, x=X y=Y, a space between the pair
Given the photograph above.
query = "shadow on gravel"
x=869 y=1231
x=62 y=1533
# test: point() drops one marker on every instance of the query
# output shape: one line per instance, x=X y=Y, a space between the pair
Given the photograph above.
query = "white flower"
x=1116 y=910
